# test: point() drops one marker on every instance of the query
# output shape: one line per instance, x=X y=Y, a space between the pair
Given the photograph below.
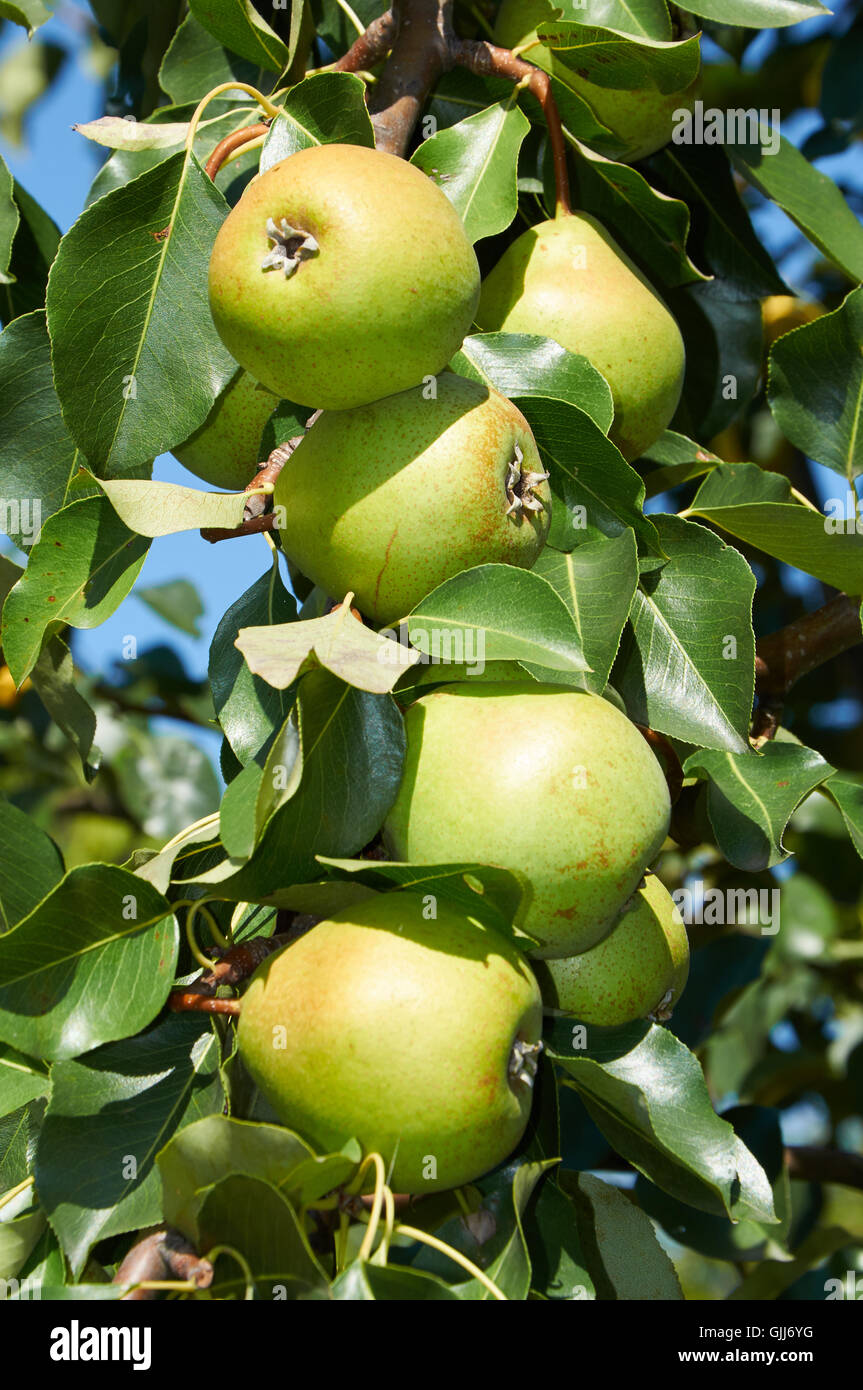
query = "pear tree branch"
x=783 y=657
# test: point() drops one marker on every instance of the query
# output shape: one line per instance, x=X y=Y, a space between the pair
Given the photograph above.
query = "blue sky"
x=57 y=166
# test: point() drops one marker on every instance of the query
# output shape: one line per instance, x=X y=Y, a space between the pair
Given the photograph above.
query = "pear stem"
x=233 y=143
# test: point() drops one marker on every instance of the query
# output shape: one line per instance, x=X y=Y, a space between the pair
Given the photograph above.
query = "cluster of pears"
x=344 y=280
x=414 y=1029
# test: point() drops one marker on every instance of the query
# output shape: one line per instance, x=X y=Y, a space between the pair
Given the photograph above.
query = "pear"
x=342 y=275
x=640 y=122
x=390 y=499
x=569 y=280
x=225 y=451
x=553 y=782
x=405 y=1025
x=638 y=971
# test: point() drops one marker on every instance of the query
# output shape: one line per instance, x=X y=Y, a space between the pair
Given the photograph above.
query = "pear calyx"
x=292 y=245
x=662 y=1012
x=524 y=1060
x=520 y=486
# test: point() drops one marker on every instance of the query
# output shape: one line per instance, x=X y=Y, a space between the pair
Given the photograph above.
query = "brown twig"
x=824 y=1165
x=233 y=142
x=254 y=517
x=252 y=526
x=486 y=60
x=370 y=47
x=230 y=968
x=784 y=656
x=162 y=1255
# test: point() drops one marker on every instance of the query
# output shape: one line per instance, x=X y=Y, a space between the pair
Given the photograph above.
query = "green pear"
x=402 y=1024
x=569 y=280
x=390 y=499
x=641 y=122
x=342 y=275
x=225 y=451
x=553 y=782
x=638 y=971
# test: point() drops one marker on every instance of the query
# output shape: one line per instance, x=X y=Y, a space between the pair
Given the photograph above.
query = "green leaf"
x=347 y=648
x=757 y=507
x=92 y=962
x=750 y=797
x=687 y=662
x=557 y=1253
x=33 y=250
x=253 y=1217
x=131 y=385
x=810 y=199
x=848 y=796
x=641 y=18
x=815 y=388
x=597 y=582
x=595 y=491
x=28 y=13
x=162 y=509
x=238 y=26
x=31 y=865
x=177 y=601
x=82 y=568
x=651 y=224
x=196 y=62
x=758 y=14
x=116 y=133
x=522 y=364
x=216 y=1147
x=497 y=613
x=109 y=1116
x=323 y=108
x=249 y=709
x=38 y=456
x=475 y=164
x=54 y=682
x=21 y=1080
x=352 y=746
x=647 y=1094
x=8 y=221
x=619 y=1242
x=702 y=177
x=495 y=897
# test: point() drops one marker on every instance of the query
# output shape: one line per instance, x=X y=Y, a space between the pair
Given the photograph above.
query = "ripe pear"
x=556 y=783
x=641 y=122
x=638 y=971
x=225 y=451
x=416 y=1034
x=569 y=280
x=391 y=499
x=342 y=275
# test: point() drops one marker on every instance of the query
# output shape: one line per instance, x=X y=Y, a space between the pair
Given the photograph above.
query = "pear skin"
x=569 y=280
x=554 y=783
x=390 y=499
x=404 y=1025
x=225 y=451
x=638 y=971
x=342 y=275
